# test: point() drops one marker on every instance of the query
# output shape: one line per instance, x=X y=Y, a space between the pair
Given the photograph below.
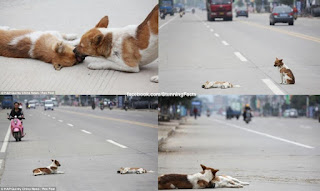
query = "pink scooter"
x=16 y=127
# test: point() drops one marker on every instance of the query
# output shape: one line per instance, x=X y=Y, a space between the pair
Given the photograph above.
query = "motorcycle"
x=125 y=108
x=101 y=106
x=16 y=127
x=93 y=106
x=181 y=14
x=248 y=117
x=208 y=113
x=110 y=106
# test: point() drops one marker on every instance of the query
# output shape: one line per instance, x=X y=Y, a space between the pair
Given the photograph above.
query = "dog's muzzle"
x=79 y=57
x=203 y=86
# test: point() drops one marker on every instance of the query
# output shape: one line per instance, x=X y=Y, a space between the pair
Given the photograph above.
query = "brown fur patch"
x=150 y=24
x=178 y=180
x=103 y=23
x=16 y=51
x=130 y=52
x=45 y=170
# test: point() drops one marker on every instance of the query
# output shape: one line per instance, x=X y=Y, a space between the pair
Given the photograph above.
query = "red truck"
x=219 y=9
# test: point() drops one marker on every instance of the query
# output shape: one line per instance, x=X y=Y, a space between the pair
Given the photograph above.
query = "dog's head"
x=205 y=85
x=278 y=63
x=94 y=42
x=56 y=162
x=205 y=168
x=64 y=55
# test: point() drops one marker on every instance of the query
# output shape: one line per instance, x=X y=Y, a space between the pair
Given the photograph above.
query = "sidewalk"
x=166 y=129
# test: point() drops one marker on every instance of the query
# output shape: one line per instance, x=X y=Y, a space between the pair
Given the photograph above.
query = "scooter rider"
x=16 y=111
x=246 y=108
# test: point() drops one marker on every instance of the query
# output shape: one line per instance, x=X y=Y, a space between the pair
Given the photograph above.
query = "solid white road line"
x=264 y=134
x=115 y=143
x=6 y=140
x=225 y=43
x=216 y=34
x=274 y=88
x=1 y=163
x=86 y=131
x=239 y=55
x=167 y=22
x=211 y=30
x=70 y=125
x=60 y=121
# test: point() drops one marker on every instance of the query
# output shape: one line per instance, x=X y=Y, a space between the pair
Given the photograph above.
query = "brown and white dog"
x=51 y=169
x=217 y=84
x=226 y=182
x=124 y=49
x=183 y=181
x=130 y=170
x=48 y=46
x=286 y=74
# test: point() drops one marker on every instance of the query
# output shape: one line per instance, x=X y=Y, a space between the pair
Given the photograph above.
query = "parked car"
x=48 y=105
x=290 y=113
x=242 y=11
x=282 y=14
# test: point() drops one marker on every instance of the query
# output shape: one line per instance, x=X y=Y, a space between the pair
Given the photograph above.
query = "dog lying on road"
x=183 y=181
x=226 y=182
x=48 y=46
x=286 y=74
x=129 y=170
x=217 y=84
x=124 y=49
x=51 y=169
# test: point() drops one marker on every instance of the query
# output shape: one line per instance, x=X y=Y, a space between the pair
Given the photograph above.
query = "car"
x=282 y=14
x=32 y=104
x=48 y=105
x=55 y=103
x=242 y=11
x=290 y=113
x=230 y=113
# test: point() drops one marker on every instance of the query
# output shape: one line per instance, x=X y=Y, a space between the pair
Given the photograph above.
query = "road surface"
x=72 y=17
x=193 y=51
x=78 y=138
x=269 y=153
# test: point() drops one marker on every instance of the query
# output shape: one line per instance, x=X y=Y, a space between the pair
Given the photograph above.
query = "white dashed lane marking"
x=211 y=30
x=86 y=131
x=273 y=87
x=216 y=34
x=225 y=43
x=117 y=144
x=239 y=55
x=60 y=121
x=70 y=125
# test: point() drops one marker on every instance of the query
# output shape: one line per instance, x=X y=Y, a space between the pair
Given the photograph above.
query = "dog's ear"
x=103 y=23
x=214 y=171
x=97 y=40
x=277 y=58
x=281 y=60
x=203 y=167
x=59 y=48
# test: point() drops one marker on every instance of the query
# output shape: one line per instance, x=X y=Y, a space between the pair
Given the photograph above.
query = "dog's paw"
x=97 y=66
x=57 y=67
x=154 y=79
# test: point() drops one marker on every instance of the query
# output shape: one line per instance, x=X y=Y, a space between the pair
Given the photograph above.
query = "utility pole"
x=307 y=106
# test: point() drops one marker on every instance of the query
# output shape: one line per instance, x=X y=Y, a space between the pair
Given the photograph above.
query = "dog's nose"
x=203 y=86
x=75 y=50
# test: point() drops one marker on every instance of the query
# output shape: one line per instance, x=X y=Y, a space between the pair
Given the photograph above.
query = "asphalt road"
x=77 y=17
x=269 y=153
x=77 y=137
x=193 y=51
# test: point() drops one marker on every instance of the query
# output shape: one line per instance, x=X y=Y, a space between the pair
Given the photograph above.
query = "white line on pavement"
x=60 y=121
x=30 y=115
x=239 y=55
x=1 y=163
x=265 y=134
x=48 y=115
x=216 y=34
x=53 y=118
x=6 y=140
x=86 y=131
x=274 y=88
x=208 y=26
x=225 y=43
x=211 y=30
x=167 y=22
x=115 y=143
x=70 y=125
